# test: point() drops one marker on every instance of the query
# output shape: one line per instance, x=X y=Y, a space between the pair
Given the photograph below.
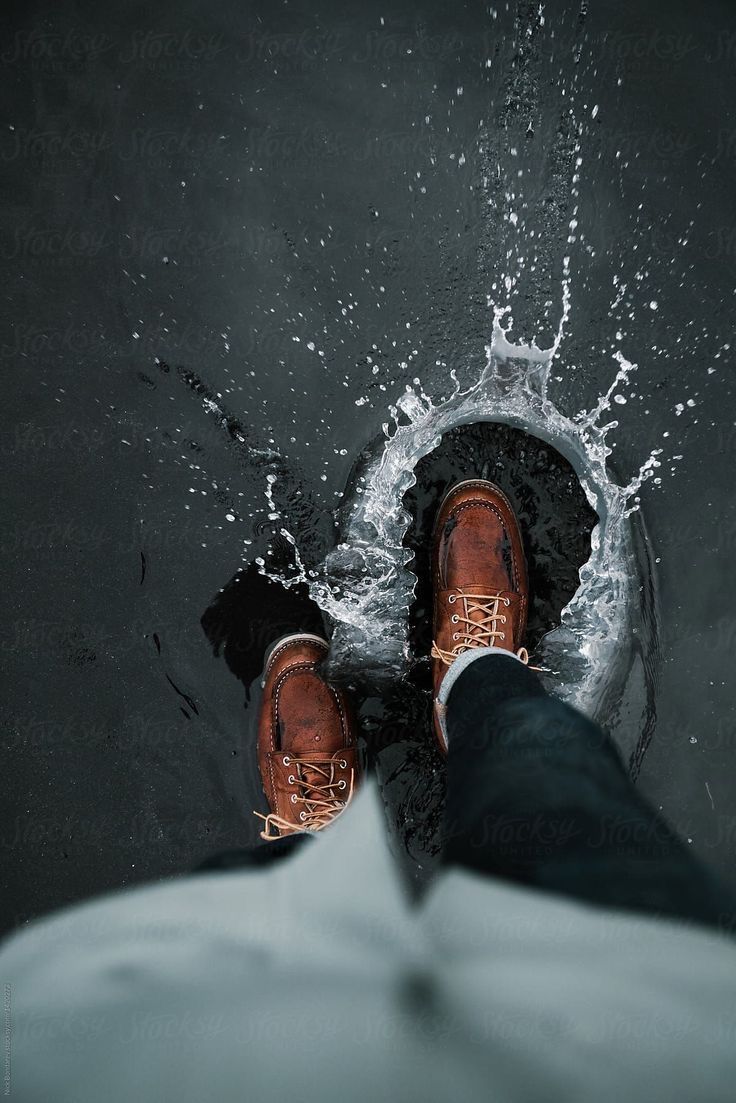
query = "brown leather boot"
x=479 y=579
x=307 y=746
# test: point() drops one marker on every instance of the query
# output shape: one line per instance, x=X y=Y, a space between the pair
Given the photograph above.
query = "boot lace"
x=315 y=783
x=480 y=618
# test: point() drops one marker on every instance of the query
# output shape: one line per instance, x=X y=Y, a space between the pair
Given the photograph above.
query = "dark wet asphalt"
x=189 y=188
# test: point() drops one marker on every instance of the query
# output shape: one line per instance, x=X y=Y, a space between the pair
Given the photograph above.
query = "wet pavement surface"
x=232 y=235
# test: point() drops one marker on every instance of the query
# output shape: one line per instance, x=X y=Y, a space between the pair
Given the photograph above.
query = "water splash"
x=365 y=585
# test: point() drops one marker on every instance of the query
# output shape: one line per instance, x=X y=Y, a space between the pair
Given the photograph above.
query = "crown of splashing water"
x=364 y=584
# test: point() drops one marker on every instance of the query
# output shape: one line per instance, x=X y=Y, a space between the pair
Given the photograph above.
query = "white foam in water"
x=365 y=586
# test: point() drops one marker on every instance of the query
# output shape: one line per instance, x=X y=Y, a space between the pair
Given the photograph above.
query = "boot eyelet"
x=302 y=815
x=503 y=635
x=293 y=798
x=456 y=635
x=451 y=599
x=506 y=600
x=342 y=784
x=342 y=764
x=286 y=760
x=502 y=619
x=454 y=618
x=292 y=779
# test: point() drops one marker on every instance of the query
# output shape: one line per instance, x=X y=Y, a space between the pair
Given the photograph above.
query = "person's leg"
x=538 y=794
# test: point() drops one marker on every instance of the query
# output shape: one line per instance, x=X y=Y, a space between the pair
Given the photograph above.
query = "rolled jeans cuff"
x=456 y=669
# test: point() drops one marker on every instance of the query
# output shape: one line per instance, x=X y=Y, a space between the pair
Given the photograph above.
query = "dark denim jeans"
x=537 y=794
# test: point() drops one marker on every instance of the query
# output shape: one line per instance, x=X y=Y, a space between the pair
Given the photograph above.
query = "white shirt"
x=314 y=979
